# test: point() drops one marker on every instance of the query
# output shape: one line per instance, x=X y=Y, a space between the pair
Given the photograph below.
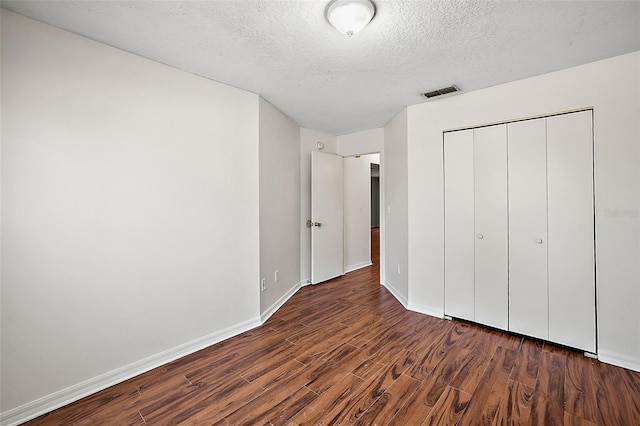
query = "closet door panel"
x=459 y=257
x=491 y=245
x=571 y=230
x=528 y=297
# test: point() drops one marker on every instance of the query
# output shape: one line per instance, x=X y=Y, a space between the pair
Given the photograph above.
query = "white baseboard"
x=357 y=266
x=58 y=399
x=396 y=293
x=73 y=393
x=278 y=304
x=421 y=309
x=620 y=360
x=305 y=282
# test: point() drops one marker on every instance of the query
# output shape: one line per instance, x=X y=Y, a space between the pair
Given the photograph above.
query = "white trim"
x=421 y=309
x=383 y=219
x=357 y=266
x=278 y=304
x=395 y=293
x=66 y=396
x=305 y=282
x=621 y=360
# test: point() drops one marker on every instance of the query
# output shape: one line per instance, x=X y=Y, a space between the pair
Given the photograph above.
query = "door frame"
x=381 y=208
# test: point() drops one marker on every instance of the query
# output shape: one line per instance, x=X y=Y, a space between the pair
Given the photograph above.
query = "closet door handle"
x=539 y=240
x=480 y=236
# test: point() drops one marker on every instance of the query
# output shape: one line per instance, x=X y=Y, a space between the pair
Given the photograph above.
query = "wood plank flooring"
x=346 y=351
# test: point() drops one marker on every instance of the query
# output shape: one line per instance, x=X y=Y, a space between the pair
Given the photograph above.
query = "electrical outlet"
x=263 y=284
x=275 y=275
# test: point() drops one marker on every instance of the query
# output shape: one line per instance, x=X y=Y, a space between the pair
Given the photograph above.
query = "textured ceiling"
x=288 y=53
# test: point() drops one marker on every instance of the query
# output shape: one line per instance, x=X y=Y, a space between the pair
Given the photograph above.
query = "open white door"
x=327 y=234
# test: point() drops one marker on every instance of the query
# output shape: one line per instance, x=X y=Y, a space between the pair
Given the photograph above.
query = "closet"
x=519 y=227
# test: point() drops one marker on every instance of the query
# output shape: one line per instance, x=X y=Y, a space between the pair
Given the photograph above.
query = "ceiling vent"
x=440 y=92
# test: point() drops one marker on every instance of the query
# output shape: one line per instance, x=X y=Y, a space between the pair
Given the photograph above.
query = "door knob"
x=539 y=240
x=480 y=236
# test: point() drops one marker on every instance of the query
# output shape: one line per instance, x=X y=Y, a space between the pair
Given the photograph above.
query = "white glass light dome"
x=350 y=16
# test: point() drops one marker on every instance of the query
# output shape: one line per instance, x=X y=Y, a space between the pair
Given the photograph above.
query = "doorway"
x=375 y=215
x=356 y=249
x=361 y=209
x=375 y=195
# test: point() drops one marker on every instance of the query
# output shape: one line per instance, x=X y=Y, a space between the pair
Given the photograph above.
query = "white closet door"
x=571 y=231
x=528 y=297
x=458 y=227
x=491 y=245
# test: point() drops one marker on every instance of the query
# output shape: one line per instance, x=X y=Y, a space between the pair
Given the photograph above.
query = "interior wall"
x=395 y=204
x=365 y=142
x=308 y=142
x=611 y=88
x=279 y=207
x=129 y=215
x=357 y=210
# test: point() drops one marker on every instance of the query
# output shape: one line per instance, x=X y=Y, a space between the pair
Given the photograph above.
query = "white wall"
x=308 y=140
x=130 y=215
x=611 y=87
x=365 y=142
x=395 y=207
x=279 y=207
x=357 y=210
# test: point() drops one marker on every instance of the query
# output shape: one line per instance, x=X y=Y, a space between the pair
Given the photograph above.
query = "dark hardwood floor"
x=347 y=352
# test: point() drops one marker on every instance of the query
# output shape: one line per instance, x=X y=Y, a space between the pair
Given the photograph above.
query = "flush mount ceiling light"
x=350 y=16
